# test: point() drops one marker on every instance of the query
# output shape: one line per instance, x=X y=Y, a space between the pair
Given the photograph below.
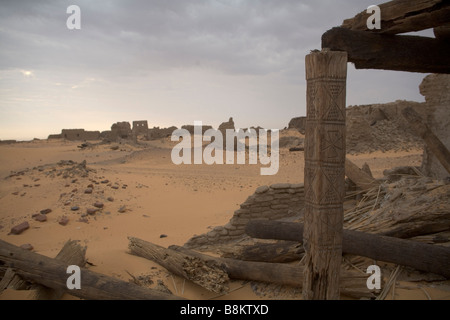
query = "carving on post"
x=326 y=74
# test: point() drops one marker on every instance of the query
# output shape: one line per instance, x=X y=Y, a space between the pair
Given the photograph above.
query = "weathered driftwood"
x=326 y=76
x=403 y=16
x=401 y=53
x=432 y=142
x=52 y=273
x=359 y=177
x=351 y=284
x=280 y=252
x=205 y=272
x=71 y=253
x=421 y=256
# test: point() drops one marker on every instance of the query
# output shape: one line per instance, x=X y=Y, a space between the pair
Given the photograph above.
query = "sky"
x=171 y=62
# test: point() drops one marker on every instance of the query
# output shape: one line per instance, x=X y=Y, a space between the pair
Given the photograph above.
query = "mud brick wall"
x=278 y=201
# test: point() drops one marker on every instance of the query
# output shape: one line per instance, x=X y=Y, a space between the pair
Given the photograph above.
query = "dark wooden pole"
x=421 y=256
x=326 y=75
x=368 y=50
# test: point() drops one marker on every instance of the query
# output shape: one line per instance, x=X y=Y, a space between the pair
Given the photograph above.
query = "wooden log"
x=206 y=273
x=280 y=252
x=359 y=177
x=352 y=284
x=71 y=253
x=432 y=142
x=53 y=274
x=326 y=75
x=421 y=256
x=401 y=16
x=401 y=53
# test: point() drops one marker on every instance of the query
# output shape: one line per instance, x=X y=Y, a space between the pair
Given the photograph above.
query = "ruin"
x=140 y=127
x=160 y=133
x=298 y=123
x=76 y=135
x=436 y=90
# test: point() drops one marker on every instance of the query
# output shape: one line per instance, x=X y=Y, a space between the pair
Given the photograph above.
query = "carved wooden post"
x=326 y=73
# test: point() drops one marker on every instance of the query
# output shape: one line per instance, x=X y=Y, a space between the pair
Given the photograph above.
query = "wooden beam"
x=352 y=284
x=359 y=177
x=401 y=53
x=326 y=75
x=52 y=273
x=432 y=142
x=421 y=256
x=206 y=273
x=401 y=16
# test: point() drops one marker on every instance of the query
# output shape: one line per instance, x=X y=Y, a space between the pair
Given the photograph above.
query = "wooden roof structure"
x=386 y=49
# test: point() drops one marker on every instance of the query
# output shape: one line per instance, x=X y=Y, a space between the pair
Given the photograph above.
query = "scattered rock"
x=63 y=221
x=98 y=205
x=90 y=186
x=75 y=208
x=111 y=199
x=20 y=228
x=85 y=220
x=74 y=190
x=68 y=202
x=115 y=187
x=88 y=191
x=40 y=217
x=27 y=246
x=91 y=211
x=105 y=181
x=122 y=209
x=163 y=235
x=15 y=193
x=45 y=211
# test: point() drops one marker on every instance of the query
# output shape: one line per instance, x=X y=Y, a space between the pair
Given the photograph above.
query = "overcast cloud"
x=169 y=62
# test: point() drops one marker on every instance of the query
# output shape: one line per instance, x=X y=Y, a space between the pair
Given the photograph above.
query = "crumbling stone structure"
x=76 y=135
x=121 y=130
x=140 y=127
x=191 y=128
x=298 y=123
x=159 y=133
x=436 y=90
x=281 y=200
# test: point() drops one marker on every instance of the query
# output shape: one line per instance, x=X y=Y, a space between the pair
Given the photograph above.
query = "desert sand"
x=158 y=201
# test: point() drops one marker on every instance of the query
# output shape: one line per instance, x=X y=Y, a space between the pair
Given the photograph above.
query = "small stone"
x=74 y=190
x=37 y=185
x=163 y=235
x=122 y=209
x=15 y=193
x=111 y=199
x=75 y=208
x=91 y=211
x=98 y=204
x=45 y=211
x=63 y=221
x=27 y=246
x=67 y=203
x=40 y=218
x=115 y=187
x=88 y=191
x=74 y=180
x=262 y=189
x=20 y=228
x=85 y=220
x=104 y=181
x=90 y=186
x=281 y=186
